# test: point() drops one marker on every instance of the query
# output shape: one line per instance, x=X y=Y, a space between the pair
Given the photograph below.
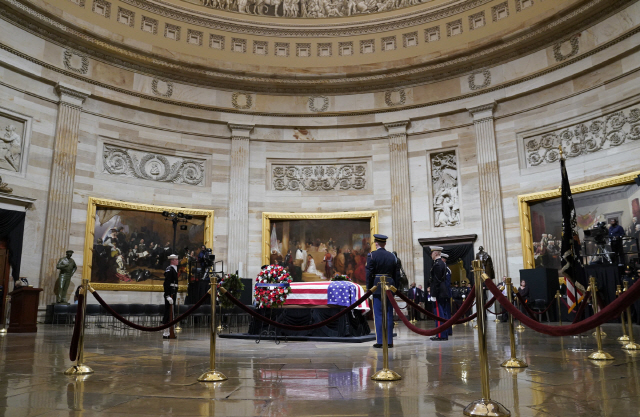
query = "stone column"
x=402 y=237
x=60 y=199
x=493 y=238
x=239 y=198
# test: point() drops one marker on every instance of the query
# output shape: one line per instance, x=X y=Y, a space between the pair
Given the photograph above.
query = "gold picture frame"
x=89 y=238
x=525 y=201
x=268 y=216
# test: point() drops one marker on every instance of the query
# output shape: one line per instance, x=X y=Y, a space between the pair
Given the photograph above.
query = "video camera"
x=599 y=233
x=209 y=258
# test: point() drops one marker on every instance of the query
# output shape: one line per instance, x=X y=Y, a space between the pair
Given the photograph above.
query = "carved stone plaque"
x=444 y=178
x=584 y=138
x=12 y=140
x=152 y=166
x=319 y=177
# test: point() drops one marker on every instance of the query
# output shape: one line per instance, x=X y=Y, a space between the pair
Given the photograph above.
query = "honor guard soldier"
x=440 y=289
x=381 y=262
x=170 y=290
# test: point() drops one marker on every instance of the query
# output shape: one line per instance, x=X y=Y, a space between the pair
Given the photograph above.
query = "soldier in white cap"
x=170 y=290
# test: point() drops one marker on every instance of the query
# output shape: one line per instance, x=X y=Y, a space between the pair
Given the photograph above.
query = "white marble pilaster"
x=493 y=236
x=401 y=221
x=60 y=198
x=239 y=198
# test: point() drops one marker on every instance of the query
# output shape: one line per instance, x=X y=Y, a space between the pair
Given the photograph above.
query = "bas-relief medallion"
x=11 y=143
x=151 y=166
x=584 y=138
x=319 y=177
x=444 y=179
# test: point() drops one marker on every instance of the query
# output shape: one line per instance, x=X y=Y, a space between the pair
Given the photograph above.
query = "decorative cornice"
x=239 y=130
x=531 y=41
x=274 y=28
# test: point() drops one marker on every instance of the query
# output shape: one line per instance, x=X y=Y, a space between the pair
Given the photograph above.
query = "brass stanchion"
x=520 y=327
x=3 y=331
x=212 y=375
x=80 y=368
x=631 y=345
x=177 y=329
x=558 y=296
x=512 y=362
x=598 y=355
x=625 y=336
x=385 y=374
x=485 y=406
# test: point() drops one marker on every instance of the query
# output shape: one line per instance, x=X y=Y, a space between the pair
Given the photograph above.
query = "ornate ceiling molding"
x=299 y=29
x=157 y=66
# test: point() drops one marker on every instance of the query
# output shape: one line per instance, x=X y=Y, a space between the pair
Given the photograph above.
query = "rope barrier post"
x=80 y=368
x=512 y=362
x=484 y=406
x=625 y=336
x=212 y=375
x=558 y=297
x=598 y=355
x=385 y=374
x=631 y=345
x=519 y=327
x=177 y=329
x=3 y=331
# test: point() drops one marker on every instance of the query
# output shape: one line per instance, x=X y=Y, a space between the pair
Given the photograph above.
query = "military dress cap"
x=436 y=248
x=172 y=257
x=380 y=238
x=69 y=251
x=444 y=255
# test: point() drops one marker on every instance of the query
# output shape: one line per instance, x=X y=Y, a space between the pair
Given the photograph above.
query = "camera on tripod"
x=599 y=233
x=209 y=258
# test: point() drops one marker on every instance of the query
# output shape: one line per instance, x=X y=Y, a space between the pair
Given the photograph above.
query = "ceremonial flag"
x=570 y=248
x=322 y=293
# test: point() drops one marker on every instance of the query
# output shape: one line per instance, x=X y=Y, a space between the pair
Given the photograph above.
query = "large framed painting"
x=316 y=246
x=127 y=244
x=597 y=204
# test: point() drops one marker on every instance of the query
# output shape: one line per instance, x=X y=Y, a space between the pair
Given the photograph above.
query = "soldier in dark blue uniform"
x=381 y=262
x=439 y=289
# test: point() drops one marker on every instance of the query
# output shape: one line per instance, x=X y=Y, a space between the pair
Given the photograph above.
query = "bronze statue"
x=67 y=267
x=487 y=263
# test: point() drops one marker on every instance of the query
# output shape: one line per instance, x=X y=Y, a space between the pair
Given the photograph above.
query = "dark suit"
x=381 y=262
x=415 y=297
x=170 y=289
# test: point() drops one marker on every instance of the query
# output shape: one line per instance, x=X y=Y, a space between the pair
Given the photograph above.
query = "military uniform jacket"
x=170 y=281
x=381 y=262
x=437 y=279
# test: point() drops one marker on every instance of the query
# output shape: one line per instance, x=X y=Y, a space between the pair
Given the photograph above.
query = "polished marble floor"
x=139 y=374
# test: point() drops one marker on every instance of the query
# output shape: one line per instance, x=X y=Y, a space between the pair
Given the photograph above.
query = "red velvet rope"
x=298 y=328
x=610 y=312
x=583 y=305
x=444 y=326
x=565 y=303
x=438 y=318
x=73 y=349
x=149 y=329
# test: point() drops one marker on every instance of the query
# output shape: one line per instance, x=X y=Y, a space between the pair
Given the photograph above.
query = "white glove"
x=170 y=300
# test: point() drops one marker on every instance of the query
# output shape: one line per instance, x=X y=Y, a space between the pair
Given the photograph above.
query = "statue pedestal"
x=24 y=310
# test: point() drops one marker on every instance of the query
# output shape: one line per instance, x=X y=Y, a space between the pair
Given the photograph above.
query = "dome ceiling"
x=374 y=49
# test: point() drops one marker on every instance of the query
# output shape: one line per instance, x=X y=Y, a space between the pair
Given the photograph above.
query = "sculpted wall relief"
x=12 y=142
x=309 y=8
x=444 y=179
x=319 y=177
x=152 y=166
x=584 y=138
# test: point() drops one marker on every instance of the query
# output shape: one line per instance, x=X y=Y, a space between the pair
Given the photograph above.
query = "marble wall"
x=588 y=90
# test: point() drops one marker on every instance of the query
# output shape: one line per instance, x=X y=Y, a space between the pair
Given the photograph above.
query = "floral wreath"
x=268 y=297
x=233 y=285
x=340 y=277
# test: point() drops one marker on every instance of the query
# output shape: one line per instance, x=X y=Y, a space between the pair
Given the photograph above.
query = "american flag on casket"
x=340 y=293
